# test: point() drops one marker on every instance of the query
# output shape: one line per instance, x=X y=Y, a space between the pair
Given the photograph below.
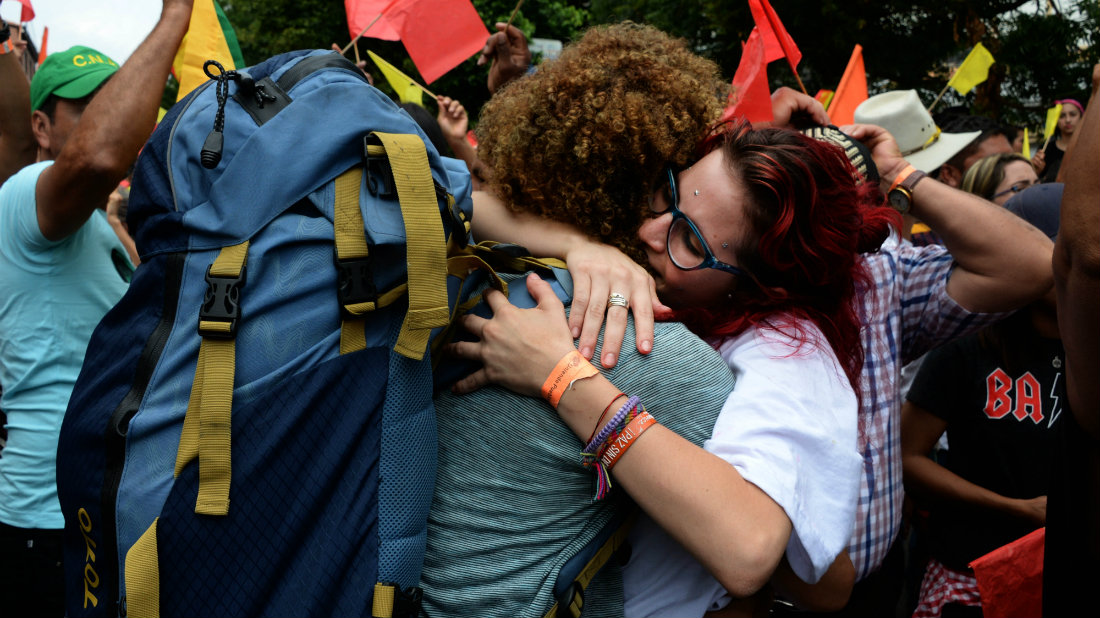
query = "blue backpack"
x=252 y=432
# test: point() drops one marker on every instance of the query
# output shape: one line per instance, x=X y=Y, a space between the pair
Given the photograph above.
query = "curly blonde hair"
x=584 y=138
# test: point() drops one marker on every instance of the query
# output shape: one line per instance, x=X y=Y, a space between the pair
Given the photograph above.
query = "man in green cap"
x=62 y=267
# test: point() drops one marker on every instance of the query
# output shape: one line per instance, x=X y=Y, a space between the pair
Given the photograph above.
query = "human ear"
x=42 y=129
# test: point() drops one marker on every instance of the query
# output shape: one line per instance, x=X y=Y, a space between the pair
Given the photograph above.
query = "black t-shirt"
x=1000 y=407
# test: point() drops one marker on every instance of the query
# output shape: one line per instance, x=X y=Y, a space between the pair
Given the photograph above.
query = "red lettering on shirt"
x=997 y=400
x=1029 y=402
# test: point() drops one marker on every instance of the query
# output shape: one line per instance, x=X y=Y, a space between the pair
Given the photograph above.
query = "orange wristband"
x=618 y=446
x=900 y=178
x=570 y=368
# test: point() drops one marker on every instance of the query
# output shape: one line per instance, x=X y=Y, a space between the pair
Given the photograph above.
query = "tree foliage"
x=906 y=44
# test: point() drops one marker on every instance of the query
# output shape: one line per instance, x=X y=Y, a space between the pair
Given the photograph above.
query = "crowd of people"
x=829 y=368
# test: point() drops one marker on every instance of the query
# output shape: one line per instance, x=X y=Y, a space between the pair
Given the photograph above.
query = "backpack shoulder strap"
x=585 y=565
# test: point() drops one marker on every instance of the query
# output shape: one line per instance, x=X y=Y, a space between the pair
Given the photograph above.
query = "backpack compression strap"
x=425 y=242
x=206 y=426
x=206 y=430
x=425 y=249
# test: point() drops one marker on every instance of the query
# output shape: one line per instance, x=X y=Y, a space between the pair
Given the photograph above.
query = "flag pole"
x=360 y=35
x=799 y=79
x=939 y=96
x=426 y=91
x=514 y=11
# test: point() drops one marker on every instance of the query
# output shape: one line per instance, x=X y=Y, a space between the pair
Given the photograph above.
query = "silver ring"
x=617 y=300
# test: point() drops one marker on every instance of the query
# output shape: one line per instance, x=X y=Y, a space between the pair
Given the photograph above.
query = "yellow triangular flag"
x=1052 y=120
x=973 y=71
x=408 y=91
x=1027 y=145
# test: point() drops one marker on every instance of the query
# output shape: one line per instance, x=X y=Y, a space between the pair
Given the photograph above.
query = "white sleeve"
x=789 y=427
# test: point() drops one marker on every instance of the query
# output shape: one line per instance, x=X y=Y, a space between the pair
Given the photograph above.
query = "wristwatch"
x=900 y=195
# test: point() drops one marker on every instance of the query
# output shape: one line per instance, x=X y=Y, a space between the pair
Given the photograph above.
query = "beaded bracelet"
x=615 y=421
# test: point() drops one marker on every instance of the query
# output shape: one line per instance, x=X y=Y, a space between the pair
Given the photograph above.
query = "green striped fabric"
x=512 y=501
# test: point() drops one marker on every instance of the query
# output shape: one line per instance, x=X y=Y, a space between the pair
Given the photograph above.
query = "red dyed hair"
x=811 y=216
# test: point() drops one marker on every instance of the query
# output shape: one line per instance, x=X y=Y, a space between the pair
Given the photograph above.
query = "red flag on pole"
x=28 y=11
x=777 y=43
x=438 y=34
x=851 y=91
x=750 y=97
x=362 y=12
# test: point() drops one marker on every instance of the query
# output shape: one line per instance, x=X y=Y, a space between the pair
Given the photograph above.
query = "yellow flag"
x=1027 y=145
x=406 y=87
x=973 y=71
x=1052 y=120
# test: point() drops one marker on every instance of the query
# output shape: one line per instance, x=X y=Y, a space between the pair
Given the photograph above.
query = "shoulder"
x=790 y=353
x=899 y=258
x=18 y=207
x=22 y=183
x=678 y=356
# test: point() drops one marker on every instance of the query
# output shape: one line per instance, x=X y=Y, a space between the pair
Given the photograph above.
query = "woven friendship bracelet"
x=570 y=368
x=593 y=452
x=616 y=421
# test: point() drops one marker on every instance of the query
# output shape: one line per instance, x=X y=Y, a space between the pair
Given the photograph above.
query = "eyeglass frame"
x=709 y=260
x=1012 y=189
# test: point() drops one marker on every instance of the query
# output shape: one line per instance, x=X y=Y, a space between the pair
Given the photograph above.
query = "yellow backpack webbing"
x=206 y=431
x=206 y=426
x=572 y=604
x=142 y=575
x=425 y=243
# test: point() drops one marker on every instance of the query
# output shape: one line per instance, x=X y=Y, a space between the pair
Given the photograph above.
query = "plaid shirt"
x=908 y=314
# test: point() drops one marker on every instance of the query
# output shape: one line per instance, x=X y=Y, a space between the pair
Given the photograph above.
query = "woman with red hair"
x=755 y=247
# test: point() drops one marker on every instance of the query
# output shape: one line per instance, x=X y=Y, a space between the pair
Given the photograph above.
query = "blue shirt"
x=53 y=295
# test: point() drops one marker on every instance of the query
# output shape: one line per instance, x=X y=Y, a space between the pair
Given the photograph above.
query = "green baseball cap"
x=72 y=74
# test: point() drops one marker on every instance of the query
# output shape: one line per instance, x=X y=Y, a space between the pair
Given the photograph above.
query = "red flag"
x=750 y=97
x=438 y=34
x=28 y=11
x=1010 y=578
x=362 y=12
x=777 y=43
x=851 y=91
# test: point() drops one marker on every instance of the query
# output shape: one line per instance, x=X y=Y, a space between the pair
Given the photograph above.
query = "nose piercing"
x=697 y=192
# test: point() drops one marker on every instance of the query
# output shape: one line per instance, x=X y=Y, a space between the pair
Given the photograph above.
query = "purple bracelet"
x=612 y=424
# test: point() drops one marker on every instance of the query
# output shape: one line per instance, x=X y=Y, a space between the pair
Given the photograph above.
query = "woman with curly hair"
x=579 y=140
x=756 y=247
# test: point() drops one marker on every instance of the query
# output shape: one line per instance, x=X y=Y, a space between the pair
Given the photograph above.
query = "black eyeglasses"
x=1016 y=188
x=685 y=245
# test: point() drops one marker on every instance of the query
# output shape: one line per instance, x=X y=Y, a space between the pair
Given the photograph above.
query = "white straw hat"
x=921 y=142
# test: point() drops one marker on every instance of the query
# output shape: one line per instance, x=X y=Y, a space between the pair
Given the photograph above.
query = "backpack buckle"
x=221 y=308
x=571 y=602
x=355 y=282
